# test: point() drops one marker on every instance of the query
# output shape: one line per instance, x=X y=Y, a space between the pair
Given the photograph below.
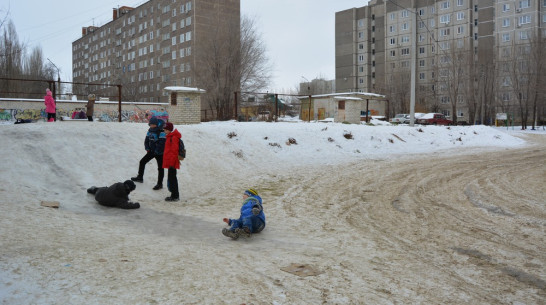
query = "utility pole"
x=57 y=92
x=413 y=64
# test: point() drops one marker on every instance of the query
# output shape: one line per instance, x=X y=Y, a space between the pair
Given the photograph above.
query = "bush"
x=348 y=135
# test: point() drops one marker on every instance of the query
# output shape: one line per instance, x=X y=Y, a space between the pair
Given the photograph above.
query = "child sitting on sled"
x=251 y=220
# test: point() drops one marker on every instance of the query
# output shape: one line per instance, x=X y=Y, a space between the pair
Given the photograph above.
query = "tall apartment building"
x=150 y=47
x=454 y=46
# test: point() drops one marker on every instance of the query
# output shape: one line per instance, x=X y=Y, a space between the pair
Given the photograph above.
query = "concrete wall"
x=34 y=109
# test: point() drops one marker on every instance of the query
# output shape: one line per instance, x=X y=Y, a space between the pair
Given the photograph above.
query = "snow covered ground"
x=174 y=253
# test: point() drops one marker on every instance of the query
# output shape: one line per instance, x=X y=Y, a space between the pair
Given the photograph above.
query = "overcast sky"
x=299 y=34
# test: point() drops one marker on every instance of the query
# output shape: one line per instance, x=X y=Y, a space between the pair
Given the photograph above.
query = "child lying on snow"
x=252 y=219
x=116 y=195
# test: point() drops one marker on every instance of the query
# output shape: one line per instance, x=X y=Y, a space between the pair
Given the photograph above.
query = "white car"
x=401 y=118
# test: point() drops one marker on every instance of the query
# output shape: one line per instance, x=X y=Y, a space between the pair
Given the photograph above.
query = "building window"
x=506 y=22
x=422 y=75
x=506 y=96
x=444 y=5
x=460 y=15
x=444 y=100
x=506 y=37
x=391 y=29
x=422 y=12
x=393 y=53
x=405 y=51
x=506 y=7
x=405 y=26
x=404 y=64
x=404 y=14
x=445 y=18
x=393 y=41
x=361 y=23
x=421 y=24
x=460 y=2
x=391 y=15
x=460 y=29
x=405 y=39
x=421 y=63
x=524 y=19
x=525 y=4
x=188 y=36
x=523 y=35
x=421 y=50
x=361 y=46
x=444 y=32
x=360 y=35
x=360 y=58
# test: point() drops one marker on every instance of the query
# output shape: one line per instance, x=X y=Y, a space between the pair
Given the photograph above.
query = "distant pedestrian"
x=115 y=195
x=50 y=106
x=90 y=107
x=174 y=153
x=154 y=143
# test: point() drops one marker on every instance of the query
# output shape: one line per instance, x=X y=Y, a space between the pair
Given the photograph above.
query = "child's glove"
x=255 y=211
x=226 y=220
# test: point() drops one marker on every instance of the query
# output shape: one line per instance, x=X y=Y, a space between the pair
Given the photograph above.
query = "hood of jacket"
x=175 y=133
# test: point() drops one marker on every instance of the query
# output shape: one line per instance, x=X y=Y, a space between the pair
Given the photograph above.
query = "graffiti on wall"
x=135 y=115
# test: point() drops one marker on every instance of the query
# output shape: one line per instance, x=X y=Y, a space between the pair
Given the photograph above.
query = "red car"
x=434 y=119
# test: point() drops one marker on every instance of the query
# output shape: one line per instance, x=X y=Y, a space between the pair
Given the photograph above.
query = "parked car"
x=434 y=119
x=401 y=118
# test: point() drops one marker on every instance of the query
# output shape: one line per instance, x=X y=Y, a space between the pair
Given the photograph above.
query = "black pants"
x=52 y=115
x=90 y=118
x=160 y=171
x=172 y=182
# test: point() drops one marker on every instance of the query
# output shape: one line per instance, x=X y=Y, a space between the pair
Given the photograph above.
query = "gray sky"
x=299 y=34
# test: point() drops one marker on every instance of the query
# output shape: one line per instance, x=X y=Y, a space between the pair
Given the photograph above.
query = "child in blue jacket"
x=252 y=219
x=154 y=144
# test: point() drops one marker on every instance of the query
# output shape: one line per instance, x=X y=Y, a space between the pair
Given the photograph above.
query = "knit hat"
x=130 y=185
x=153 y=120
x=169 y=126
x=91 y=97
x=251 y=192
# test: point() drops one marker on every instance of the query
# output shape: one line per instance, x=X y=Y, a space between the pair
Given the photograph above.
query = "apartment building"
x=150 y=47
x=453 y=47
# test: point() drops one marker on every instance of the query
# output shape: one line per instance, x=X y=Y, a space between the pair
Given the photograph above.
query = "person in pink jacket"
x=50 y=106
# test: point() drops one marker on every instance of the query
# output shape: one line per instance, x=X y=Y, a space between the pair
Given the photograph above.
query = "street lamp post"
x=308 y=92
x=57 y=93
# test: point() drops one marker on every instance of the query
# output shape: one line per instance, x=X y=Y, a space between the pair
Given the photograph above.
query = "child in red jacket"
x=174 y=153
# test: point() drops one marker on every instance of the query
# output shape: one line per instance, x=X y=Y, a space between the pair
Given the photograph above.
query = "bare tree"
x=486 y=93
x=521 y=79
x=232 y=59
x=11 y=58
x=537 y=73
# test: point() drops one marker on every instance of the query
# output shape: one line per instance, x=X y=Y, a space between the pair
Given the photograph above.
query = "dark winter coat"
x=116 y=195
x=90 y=107
x=173 y=147
x=155 y=140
